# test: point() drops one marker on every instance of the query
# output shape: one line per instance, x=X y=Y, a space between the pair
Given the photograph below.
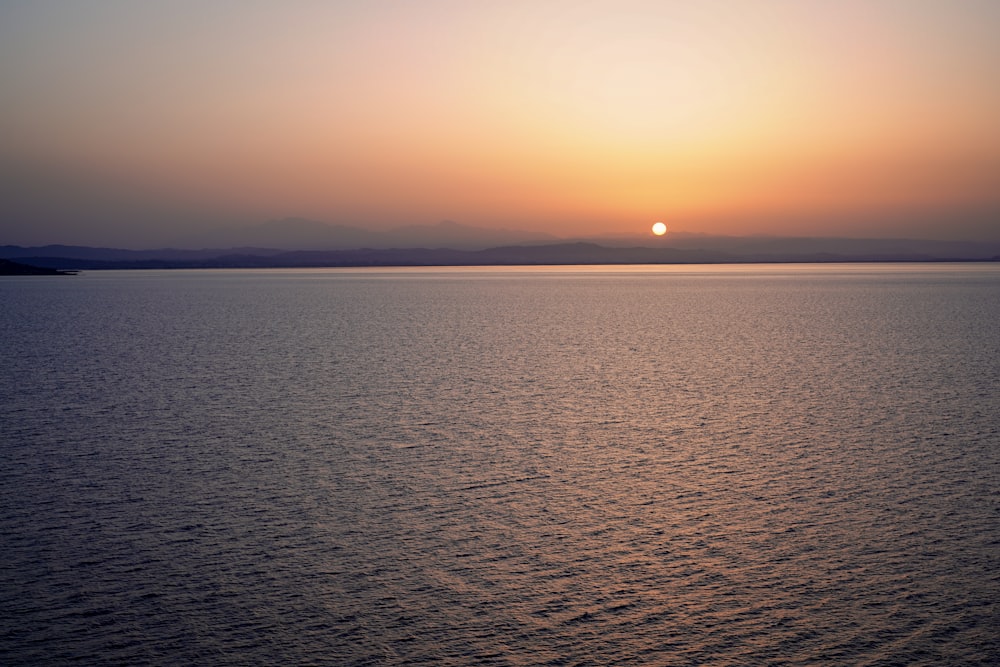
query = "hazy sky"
x=131 y=123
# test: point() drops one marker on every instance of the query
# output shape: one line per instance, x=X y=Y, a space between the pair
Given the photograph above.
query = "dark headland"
x=9 y=268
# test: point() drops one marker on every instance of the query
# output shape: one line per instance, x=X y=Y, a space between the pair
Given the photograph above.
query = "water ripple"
x=495 y=468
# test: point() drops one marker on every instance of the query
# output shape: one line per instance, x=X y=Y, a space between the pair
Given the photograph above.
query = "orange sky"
x=850 y=118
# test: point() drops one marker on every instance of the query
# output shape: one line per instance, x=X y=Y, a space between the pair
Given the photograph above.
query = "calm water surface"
x=744 y=465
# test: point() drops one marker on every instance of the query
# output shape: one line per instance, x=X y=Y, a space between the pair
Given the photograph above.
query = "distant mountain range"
x=297 y=242
x=679 y=249
x=767 y=248
x=303 y=234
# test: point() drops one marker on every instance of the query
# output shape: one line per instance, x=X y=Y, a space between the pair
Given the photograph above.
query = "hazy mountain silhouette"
x=450 y=234
x=86 y=253
x=288 y=234
x=676 y=249
x=304 y=234
x=765 y=247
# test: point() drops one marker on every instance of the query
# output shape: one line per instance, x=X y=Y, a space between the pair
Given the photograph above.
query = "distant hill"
x=450 y=234
x=302 y=234
x=679 y=250
x=766 y=248
x=87 y=253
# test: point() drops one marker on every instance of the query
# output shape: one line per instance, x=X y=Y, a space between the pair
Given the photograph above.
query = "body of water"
x=730 y=465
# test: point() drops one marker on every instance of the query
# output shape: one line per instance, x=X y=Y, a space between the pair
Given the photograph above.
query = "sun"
x=659 y=228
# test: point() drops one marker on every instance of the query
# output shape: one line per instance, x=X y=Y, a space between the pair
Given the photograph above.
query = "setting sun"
x=659 y=228
x=864 y=118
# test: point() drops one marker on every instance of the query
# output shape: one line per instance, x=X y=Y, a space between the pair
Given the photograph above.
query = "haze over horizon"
x=140 y=125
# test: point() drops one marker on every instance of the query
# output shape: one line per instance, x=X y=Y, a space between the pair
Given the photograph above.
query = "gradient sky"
x=133 y=123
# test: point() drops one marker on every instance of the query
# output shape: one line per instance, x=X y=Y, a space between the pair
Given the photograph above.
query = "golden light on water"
x=659 y=228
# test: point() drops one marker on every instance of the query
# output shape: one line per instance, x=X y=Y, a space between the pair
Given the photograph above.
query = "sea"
x=791 y=464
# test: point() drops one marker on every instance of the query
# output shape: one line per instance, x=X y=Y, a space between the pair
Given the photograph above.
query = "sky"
x=138 y=123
